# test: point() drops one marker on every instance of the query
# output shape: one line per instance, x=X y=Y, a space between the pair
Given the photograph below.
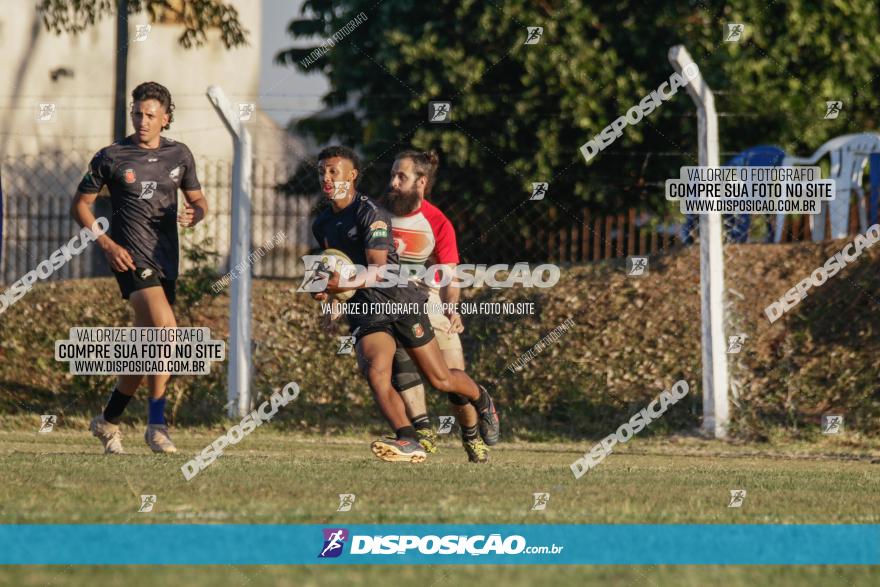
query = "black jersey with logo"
x=362 y=225
x=143 y=185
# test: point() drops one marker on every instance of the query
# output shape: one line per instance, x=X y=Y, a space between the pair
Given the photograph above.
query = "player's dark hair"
x=158 y=92
x=425 y=164
x=340 y=151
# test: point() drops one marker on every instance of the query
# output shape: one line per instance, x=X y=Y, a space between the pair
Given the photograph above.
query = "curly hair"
x=340 y=151
x=158 y=92
x=425 y=164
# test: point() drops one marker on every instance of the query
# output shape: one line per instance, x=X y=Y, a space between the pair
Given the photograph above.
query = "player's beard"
x=401 y=203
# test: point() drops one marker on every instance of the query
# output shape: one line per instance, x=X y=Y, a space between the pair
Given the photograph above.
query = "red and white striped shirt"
x=425 y=237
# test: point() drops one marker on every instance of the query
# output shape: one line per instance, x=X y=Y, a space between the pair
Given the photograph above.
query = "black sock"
x=482 y=402
x=115 y=406
x=408 y=433
x=421 y=422
x=469 y=432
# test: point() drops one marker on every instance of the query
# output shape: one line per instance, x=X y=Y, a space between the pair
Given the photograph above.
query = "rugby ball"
x=335 y=261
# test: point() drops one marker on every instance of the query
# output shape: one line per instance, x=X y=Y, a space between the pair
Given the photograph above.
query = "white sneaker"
x=158 y=440
x=109 y=434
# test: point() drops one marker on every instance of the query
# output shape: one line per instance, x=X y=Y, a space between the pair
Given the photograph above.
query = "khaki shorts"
x=447 y=342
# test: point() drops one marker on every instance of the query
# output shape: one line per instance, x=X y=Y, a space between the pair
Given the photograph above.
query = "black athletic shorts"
x=142 y=278
x=410 y=330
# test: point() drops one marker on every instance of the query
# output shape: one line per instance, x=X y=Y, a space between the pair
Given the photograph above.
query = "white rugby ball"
x=338 y=262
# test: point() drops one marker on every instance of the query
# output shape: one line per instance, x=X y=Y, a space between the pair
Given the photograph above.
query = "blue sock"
x=157 y=411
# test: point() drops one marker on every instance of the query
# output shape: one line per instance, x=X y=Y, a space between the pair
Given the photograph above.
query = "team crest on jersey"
x=418 y=331
x=130 y=177
x=353 y=232
x=174 y=175
x=379 y=229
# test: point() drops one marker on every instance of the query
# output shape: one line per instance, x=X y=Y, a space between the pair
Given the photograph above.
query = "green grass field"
x=274 y=477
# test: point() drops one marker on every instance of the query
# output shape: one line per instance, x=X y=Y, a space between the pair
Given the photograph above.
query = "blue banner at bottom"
x=614 y=544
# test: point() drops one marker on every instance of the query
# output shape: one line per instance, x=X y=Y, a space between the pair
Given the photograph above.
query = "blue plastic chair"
x=738 y=225
x=874 y=163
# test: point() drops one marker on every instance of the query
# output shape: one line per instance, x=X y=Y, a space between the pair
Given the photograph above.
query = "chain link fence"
x=38 y=192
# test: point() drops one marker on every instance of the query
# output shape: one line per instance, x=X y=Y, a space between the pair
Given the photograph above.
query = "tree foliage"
x=521 y=112
x=196 y=16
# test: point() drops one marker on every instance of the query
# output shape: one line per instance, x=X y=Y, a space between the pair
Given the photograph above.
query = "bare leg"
x=466 y=415
x=375 y=353
x=151 y=309
x=429 y=360
x=414 y=400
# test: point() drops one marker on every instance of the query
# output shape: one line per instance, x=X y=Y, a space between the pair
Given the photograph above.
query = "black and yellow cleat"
x=428 y=439
x=398 y=450
x=490 y=423
x=476 y=450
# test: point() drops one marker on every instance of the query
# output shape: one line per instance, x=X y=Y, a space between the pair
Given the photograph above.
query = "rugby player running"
x=143 y=172
x=425 y=236
x=360 y=228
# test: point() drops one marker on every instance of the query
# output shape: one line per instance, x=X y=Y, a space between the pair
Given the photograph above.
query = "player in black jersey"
x=143 y=173
x=359 y=227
